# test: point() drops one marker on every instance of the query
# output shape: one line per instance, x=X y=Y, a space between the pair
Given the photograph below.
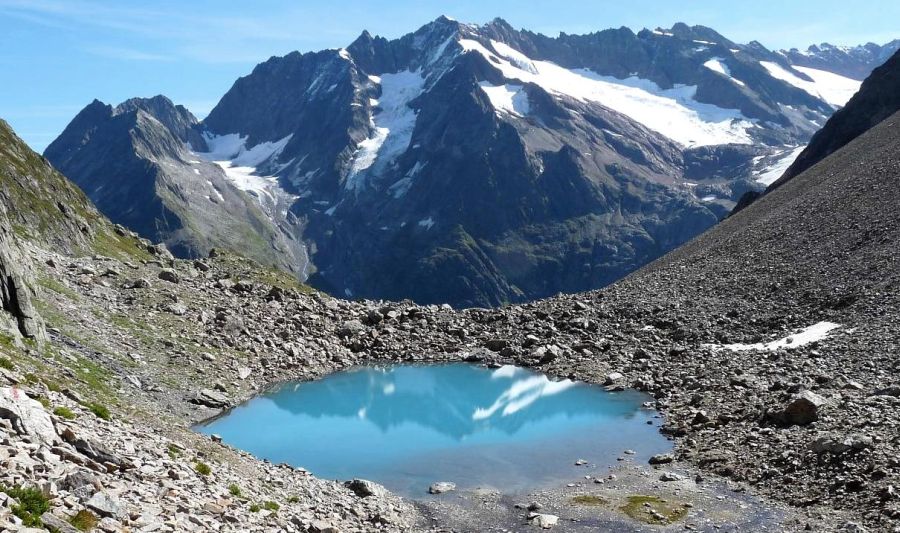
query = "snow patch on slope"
x=774 y=171
x=392 y=126
x=507 y=98
x=239 y=163
x=672 y=112
x=832 y=88
x=810 y=334
x=717 y=64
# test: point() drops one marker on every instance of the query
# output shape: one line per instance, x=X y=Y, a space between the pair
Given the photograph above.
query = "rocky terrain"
x=877 y=99
x=476 y=165
x=853 y=61
x=140 y=345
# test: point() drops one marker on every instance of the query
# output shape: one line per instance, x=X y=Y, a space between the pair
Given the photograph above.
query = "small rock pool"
x=409 y=426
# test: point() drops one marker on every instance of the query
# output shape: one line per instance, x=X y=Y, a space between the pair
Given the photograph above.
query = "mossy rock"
x=654 y=510
x=589 y=500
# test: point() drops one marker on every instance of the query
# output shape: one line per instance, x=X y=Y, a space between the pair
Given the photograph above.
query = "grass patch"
x=173 y=451
x=111 y=244
x=64 y=412
x=203 y=469
x=254 y=508
x=6 y=363
x=43 y=400
x=234 y=490
x=84 y=520
x=271 y=506
x=589 y=499
x=99 y=410
x=293 y=499
x=57 y=287
x=32 y=504
x=653 y=510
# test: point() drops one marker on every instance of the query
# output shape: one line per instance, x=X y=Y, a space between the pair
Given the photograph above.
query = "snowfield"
x=510 y=99
x=717 y=64
x=392 y=126
x=239 y=163
x=774 y=171
x=833 y=88
x=673 y=112
x=813 y=333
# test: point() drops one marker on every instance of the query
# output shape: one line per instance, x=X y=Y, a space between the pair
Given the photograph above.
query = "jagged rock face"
x=135 y=164
x=855 y=62
x=479 y=165
x=18 y=316
x=39 y=204
x=877 y=99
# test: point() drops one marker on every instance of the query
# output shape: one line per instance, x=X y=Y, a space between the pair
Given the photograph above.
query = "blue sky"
x=58 y=55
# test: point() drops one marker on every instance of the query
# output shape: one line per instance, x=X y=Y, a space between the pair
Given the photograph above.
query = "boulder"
x=441 y=487
x=661 y=459
x=365 y=488
x=210 y=398
x=55 y=523
x=105 y=505
x=27 y=416
x=543 y=520
x=802 y=410
x=168 y=274
x=671 y=476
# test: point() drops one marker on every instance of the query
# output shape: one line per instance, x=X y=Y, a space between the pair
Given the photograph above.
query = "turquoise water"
x=409 y=426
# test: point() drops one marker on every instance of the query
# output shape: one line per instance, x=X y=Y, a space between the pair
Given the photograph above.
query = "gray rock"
x=168 y=274
x=105 y=505
x=441 y=487
x=210 y=398
x=613 y=378
x=542 y=520
x=27 y=416
x=365 y=488
x=350 y=328
x=177 y=309
x=661 y=459
x=837 y=445
x=802 y=410
x=671 y=476
x=140 y=283
x=55 y=523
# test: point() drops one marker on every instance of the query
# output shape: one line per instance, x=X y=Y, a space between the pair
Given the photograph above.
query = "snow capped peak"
x=674 y=113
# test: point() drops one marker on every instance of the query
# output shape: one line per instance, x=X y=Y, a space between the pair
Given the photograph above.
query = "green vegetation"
x=84 y=520
x=293 y=499
x=271 y=506
x=203 y=469
x=254 y=508
x=234 y=490
x=32 y=504
x=99 y=410
x=111 y=244
x=174 y=451
x=589 y=499
x=653 y=510
x=44 y=401
x=6 y=364
x=6 y=341
x=59 y=288
x=64 y=412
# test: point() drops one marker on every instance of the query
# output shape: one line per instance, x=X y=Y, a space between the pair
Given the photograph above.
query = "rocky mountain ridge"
x=852 y=61
x=168 y=342
x=481 y=165
x=133 y=162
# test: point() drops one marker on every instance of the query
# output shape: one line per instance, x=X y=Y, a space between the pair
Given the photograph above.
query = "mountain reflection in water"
x=405 y=425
